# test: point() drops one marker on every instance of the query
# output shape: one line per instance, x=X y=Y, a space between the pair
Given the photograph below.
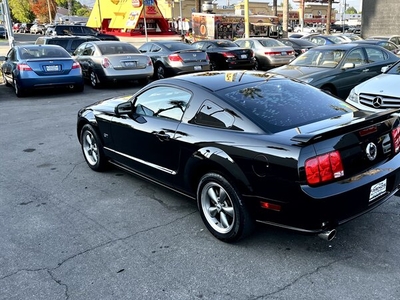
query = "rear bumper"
x=49 y=82
x=315 y=209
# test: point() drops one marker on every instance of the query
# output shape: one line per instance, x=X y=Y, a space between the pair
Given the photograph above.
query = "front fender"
x=213 y=159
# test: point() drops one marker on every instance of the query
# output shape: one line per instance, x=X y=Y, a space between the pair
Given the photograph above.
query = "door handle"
x=365 y=70
x=162 y=136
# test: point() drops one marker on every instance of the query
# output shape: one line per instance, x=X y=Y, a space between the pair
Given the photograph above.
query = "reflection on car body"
x=249 y=145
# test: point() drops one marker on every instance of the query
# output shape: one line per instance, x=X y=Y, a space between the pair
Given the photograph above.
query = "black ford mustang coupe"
x=250 y=146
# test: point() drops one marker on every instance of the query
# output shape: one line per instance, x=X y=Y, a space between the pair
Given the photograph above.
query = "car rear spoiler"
x=362 y=119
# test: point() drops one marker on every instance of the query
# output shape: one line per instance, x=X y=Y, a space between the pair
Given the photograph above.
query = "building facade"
x=380 y=17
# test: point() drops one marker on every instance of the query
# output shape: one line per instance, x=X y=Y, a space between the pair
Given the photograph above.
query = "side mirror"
x=385 y=68
x=348 y=66
x=123 y=108
x=3 y=58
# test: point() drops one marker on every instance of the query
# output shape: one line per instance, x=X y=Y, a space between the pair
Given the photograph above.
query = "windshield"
x=395 y=69
x=324 y=58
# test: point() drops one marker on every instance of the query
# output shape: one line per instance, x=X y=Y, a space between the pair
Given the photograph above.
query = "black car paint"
x=262 y=166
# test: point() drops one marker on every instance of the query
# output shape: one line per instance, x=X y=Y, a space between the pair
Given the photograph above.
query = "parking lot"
x=68 y=232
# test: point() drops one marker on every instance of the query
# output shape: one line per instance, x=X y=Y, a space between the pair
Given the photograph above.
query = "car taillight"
x=106 y=63
x=175 y=57
x=24 y=67
x=323 y=168
x=396 y=139
x=76 y=65
x=228 y=54
x=149 y=61
x=290 y=52
x=272 y=53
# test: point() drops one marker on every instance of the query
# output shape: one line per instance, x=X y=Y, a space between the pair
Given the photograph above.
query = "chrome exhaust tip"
x=328 y=235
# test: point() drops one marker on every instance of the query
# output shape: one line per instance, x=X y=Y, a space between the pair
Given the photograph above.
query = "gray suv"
x=69 y=43
x=82 y=31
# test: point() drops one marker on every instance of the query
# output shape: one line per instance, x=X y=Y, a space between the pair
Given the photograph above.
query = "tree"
x=351 y=10
x=20 y=9
x=41 y=9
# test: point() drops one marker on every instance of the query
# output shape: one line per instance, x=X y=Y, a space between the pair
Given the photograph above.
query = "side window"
x=39 y=41
x=88 y=30
x=163 y=102
x=213 y=115
x=374 y=55
x=76 y=30
x=155 y=48
x=145 y=48
x=89 y=50
x=356 y=57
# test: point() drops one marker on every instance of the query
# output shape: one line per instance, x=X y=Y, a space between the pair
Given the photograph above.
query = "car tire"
x=94 y=79
x=213 y=66
x=5 y=80
x=222 y=210
x=159 y=72
x=92 y=148
x=19 y=92
x=256 y=65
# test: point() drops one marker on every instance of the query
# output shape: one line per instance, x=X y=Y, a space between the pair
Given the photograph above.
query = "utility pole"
x=285 y=17
x=275 y=7
x=329 y=17
x=8 y=22
x=301 y=16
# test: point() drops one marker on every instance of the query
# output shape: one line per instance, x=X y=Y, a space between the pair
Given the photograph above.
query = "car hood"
x=383 y=84
x=302 y=72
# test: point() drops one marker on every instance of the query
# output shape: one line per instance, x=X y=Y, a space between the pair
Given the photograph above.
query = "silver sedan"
x=269 y=52
x=112 y=61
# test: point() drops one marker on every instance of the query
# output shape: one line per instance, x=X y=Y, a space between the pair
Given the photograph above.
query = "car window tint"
x=62 y=43
x=395 y=69
x=374 y=55
x=177 y=46
x=117 y=48
x=155 y=48
x=356 y=57
x=276 y=105
x=163 y=102
x=77 y=30
x=75 y=44
x=88 y=30
x=213 y=115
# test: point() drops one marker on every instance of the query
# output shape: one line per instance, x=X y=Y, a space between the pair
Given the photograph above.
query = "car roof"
x=222 y=79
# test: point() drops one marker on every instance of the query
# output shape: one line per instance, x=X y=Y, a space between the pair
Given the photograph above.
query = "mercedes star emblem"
x=377 y=102
x=372 y=151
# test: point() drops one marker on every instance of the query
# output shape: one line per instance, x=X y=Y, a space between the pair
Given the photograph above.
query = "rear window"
x=117 y=48
x=42 y=52
x=177 y=46
x=63 y=43
x=280 y=104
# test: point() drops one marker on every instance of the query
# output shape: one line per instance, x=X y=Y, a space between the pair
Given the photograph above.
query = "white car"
x=378 y=93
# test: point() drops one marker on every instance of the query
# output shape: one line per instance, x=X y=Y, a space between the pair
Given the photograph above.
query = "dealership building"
x=380 y=17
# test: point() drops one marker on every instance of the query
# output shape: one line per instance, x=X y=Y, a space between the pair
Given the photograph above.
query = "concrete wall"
x=380 y=17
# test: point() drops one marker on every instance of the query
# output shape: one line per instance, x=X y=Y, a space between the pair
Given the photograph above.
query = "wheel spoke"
x=228 y=210
x=224 y=220
x=213 y=211
x=89 y=140
x=213 y=196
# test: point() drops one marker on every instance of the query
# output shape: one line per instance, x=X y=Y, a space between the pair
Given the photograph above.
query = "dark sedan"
x=175 y=57
x=226 y=55
x=340 y=67
x=321 y=39
x=249 y=145
x=392 y=47
x=29 y=67
x=299 y=45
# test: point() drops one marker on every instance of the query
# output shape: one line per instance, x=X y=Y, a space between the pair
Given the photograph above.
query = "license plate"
x=378 y=189
x=243 y=56
x=197 y=68
x=284 y=53
x=52 y=68
x=131 y=64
